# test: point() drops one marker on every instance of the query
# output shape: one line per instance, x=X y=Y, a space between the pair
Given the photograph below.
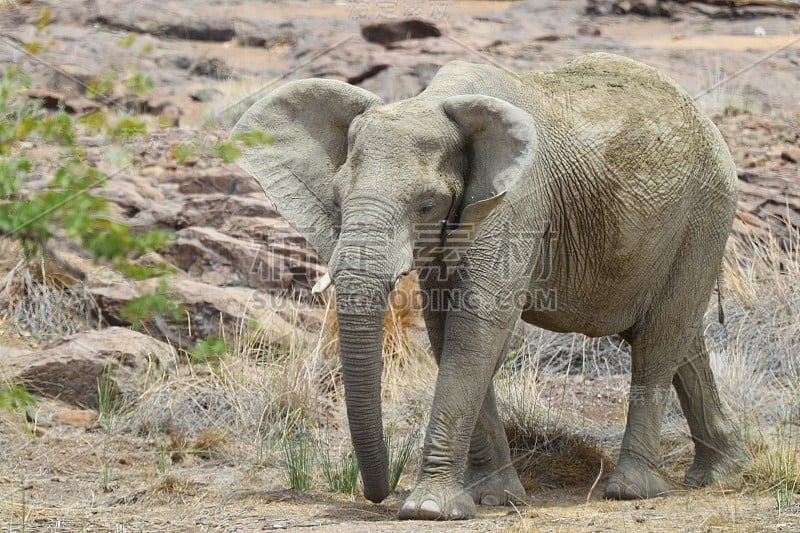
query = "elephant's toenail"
x=408 y=506
x=430 y=506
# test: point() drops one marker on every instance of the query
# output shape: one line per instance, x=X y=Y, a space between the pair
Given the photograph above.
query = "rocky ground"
x=238 y=260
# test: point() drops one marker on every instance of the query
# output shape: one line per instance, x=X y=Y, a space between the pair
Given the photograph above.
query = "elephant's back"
x=639 y=127
x=607 y=83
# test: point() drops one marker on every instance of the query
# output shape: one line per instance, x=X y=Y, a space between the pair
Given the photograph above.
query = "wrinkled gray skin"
x=593 y=198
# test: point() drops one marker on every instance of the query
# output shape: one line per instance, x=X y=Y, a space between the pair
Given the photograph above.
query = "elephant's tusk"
x=322 y=283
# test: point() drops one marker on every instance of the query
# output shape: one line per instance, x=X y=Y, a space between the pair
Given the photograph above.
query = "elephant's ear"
x=501 y=144
x=308 y=122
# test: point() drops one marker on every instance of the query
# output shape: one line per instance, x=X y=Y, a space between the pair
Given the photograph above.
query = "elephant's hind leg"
x=668 y=349
x=491 y=478
x=636 y=475
x=720 y=453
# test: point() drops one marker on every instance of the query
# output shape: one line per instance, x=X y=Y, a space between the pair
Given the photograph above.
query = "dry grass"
x=401 y=324
x=556 y=458
x=42 y=308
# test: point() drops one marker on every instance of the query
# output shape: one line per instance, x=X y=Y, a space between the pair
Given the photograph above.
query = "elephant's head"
x=356 y=178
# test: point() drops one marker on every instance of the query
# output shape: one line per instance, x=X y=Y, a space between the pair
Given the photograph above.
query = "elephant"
x=595 y=197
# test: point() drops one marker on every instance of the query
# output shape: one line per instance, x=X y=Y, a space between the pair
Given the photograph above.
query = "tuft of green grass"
x=14 y=396
x=126 y=41
x=140 y=83
x=108 y=401
x=208 y=351
x=299 y=455
x=101 y=86
x=399 y=451
x=162 y=457
x=109 y=406
x=45 y=18
x=127 y=127
x=340 y=474
x=152 y=304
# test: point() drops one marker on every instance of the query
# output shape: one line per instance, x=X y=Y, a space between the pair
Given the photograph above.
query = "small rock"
x=282 y=37
x=645 y=8
x=216 y=181
x=257 y=41
x=82 y=418
x=650 y=8
x=622 y=8
x=80 y=105
x=212 y=68
x=747 y=175
x=390 y=32
x=205 y=95
x=50 y=99
x=181 y=62
x=71 y=79
x=791 y=154
x=776 y=150
x=590 y=31
x=170 y=116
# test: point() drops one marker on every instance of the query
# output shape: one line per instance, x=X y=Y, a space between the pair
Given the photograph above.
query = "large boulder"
x=73 y=369
x=151 y=17
x=211 y=311
x=266 y=262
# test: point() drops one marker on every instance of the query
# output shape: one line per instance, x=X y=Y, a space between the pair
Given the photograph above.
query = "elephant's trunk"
x=360 y=339
x=361 y=297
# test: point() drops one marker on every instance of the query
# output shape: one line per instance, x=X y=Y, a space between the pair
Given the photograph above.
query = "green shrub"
x=66 y=207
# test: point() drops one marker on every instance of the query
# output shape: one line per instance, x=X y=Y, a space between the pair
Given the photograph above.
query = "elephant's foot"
x=713 y=467
x=437 y=502
x=634 y=481
x=494 y=486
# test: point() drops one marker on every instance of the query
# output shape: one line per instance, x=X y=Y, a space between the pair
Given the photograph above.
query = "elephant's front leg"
x=471 y=349
x=491 y=478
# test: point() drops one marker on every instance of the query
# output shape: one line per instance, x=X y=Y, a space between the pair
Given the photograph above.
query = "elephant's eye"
x=427 y=207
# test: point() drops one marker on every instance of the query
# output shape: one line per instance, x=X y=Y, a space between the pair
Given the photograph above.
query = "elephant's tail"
x=720 y=310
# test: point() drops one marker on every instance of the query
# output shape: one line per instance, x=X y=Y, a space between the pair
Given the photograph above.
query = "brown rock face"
x=71 y=369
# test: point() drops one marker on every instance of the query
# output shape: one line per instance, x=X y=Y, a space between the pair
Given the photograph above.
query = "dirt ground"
x=65 y=476
x=62 y=470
